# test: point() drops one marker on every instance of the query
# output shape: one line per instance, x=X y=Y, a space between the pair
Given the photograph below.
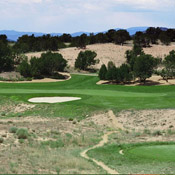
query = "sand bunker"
x=53 y=99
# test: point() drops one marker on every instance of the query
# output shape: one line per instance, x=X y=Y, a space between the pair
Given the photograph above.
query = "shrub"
x=1 y=140
x=157 y=133
x=54 y=144
x=22 y=133
x=13 y=129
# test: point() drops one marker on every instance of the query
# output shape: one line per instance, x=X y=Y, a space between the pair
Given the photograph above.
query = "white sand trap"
x=53 y=99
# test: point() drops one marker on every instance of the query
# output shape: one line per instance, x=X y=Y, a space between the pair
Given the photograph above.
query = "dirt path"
x=100 y=144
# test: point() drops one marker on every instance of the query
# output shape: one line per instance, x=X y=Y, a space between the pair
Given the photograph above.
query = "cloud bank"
x=89 y=15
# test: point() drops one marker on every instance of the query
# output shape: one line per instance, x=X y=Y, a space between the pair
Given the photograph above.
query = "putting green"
x=153 y=153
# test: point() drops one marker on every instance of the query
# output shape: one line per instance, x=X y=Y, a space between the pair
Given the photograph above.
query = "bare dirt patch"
x=154 y=80
x=16 y=108
x=13 y=75
x=159 y=119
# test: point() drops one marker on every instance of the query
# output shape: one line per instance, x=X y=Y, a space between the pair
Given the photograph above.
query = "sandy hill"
x=109 y=52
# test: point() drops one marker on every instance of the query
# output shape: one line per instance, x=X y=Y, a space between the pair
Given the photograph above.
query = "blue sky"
x=84 y=15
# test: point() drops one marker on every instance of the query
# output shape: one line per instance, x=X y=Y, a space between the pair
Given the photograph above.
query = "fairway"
x=93 y=97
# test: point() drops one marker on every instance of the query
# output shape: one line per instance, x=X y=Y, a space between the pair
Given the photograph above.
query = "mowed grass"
x=145 y=158
x=94 y=97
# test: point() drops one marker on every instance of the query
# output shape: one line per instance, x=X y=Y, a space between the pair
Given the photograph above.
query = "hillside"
x=109 y=52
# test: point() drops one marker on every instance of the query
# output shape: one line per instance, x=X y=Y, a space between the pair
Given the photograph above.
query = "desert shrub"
x=13 y=129
x=53 y=144
x=1 y=140
x=147 y=131
x=58 y=170
x=22 y=133
x=157 y=133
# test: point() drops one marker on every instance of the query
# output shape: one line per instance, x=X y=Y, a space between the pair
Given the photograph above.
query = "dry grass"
x=109 y=52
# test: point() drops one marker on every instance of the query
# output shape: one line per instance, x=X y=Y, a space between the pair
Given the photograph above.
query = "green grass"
x=94 y=97
x=146 y=158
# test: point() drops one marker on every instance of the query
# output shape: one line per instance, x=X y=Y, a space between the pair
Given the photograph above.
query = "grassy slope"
x=94 y=97
x=146 y=158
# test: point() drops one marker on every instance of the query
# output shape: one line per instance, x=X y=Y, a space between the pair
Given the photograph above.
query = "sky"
x=68 y=16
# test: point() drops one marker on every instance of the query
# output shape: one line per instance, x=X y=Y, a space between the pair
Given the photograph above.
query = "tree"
x=85 y=59
x=153 y=34
x=169 y=64
x=47 y=65
x=131 y=55
x=25 y=69
x=121 y=36
x=125 y=73
x=52 y=62
x=6 y=57
x=143 y=67
x=111 y=73
x=103 y=72
x=164 y=38
x=82 y=41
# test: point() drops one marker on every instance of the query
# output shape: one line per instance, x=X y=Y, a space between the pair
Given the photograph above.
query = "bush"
x=22 y=133
x=1 y=140
x=13 y=129
x=54 y=144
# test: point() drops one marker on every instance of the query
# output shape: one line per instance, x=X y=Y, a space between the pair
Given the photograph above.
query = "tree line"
x=31 y=43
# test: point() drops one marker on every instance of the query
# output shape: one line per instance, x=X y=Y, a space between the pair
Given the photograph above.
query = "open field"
x=58 y=133
x=109 y=52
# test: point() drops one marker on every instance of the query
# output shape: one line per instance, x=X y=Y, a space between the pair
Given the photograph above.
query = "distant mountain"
x=13 y=35
x=79 y=33
x=133 y=30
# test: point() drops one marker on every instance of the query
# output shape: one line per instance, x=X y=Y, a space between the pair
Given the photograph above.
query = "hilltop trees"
x=85 y=59
x=31 y=43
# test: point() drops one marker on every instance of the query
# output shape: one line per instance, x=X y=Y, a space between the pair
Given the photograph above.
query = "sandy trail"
x=111 y=119
x=100 y=144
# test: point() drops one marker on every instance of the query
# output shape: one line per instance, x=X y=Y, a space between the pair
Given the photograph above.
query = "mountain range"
x=13 y=35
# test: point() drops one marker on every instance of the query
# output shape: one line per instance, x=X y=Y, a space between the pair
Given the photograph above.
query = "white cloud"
x=89 y=15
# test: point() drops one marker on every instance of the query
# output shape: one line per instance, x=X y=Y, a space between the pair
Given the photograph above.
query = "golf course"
x=127 y=150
